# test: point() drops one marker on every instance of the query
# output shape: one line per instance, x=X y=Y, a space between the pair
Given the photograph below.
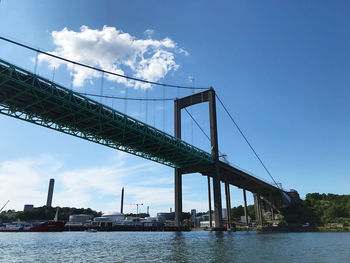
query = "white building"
x=207 y=223
x=134 y=221
x=79 y=220
x=154 y=221
x=109 y=219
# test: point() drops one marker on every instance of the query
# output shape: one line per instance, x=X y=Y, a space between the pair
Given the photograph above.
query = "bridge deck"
x=236 y=177
x=29 y=97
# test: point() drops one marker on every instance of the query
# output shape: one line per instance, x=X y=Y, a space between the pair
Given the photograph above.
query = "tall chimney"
x=122 y=201
x=50 y=193
x=148 y=210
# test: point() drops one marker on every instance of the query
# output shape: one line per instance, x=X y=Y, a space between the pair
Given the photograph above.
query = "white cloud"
x=113 y=50
x=182 y=51
x=25 y=181
x=149 y=33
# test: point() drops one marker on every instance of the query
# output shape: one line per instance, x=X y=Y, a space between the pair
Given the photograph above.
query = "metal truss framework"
x=28 y=97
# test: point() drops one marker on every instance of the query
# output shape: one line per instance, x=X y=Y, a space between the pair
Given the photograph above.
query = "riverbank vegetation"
x=324 y=212
x=44 y=213
x=320 y=210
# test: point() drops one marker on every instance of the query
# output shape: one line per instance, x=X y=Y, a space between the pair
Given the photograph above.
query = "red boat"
x=48 y=226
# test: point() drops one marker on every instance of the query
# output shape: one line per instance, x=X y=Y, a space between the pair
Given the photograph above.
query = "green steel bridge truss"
x=29 y=97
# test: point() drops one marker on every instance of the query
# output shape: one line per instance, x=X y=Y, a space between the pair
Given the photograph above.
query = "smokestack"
x=148 y=210
x=122 y=201
x=50 y=193
x=171 y=210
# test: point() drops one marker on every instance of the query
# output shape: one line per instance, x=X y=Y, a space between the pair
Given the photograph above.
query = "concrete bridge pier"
x=177 y=173
x=228 y=204
x=245 y=207
x=258 y=209
x=257 y=219
x=209 y=200
x=271 y=206
x=217 y=202
x=215 y=152
x=178 y=197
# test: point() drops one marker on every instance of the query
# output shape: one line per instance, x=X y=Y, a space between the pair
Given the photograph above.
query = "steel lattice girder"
x=26 y=96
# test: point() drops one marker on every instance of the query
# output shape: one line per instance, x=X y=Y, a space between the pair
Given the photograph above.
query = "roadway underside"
x=236 y=177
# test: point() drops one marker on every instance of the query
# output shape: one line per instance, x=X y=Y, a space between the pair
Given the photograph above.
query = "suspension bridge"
x=26 y=96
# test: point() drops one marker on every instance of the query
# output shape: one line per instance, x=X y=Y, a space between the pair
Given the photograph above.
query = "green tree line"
x=316 y=209
x=45 y=213
x=320 y=209
x=237 y=212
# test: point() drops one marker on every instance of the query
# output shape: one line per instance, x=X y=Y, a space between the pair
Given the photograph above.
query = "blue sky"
x=281 y=68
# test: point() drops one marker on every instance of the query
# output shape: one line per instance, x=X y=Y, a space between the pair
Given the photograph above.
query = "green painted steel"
x=29 y=97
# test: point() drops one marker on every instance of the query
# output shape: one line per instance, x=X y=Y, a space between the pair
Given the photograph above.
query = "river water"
x=195 y=246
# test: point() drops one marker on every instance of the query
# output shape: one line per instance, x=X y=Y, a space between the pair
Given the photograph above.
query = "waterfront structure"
x=50 y=192
x=167 y=215
x=79 y=220
x=109 y=219
x=207 y=224
x=117 y=219
x=193 y=216
x=154 y=221
x=133 y=221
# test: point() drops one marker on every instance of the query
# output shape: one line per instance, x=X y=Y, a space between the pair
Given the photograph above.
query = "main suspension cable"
x=125 y=98
x=206 y=135
x=249 y=144
x=98 y=69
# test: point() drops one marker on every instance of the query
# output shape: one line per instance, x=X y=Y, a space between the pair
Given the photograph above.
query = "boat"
x=47 y=226
x=91 y=230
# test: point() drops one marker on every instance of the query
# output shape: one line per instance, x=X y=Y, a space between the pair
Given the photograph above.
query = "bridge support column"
x=271 y=207
x=228 y=204
x=177 y=174
x=209 y=200
x=245 y=207
x=217 y=201
x=209 y=96
x=260 y=211
x=257 y=206
x=178 y=197
x=215 y=151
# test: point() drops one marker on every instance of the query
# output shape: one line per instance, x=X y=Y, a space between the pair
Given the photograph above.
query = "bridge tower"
x=213 y=171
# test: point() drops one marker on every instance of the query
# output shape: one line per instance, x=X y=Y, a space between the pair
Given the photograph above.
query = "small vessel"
x=91 y=230
x=48 y=226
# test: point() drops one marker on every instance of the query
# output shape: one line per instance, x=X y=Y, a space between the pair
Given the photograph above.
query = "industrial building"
x=109 y=219
x=79 y=220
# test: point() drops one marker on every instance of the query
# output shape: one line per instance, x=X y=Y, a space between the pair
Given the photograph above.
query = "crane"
x=4 y=205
